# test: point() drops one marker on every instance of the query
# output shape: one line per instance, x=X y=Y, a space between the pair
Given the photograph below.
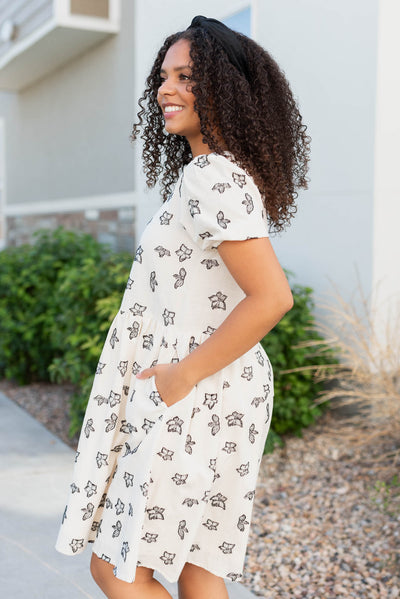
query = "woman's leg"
x=143 y=587
x=198 y=583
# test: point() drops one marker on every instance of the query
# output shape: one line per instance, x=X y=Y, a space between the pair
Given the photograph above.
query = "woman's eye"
x=182 y=77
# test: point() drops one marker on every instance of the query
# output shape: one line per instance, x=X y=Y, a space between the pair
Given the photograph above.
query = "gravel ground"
x=325 y=523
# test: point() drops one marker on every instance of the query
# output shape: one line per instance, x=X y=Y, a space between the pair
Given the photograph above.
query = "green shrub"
x=30 y=303
x=54 y=295
x=286 y=346
x=90 y=297
x=59 y=296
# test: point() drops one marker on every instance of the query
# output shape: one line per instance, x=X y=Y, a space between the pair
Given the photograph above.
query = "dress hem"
x=148 y=564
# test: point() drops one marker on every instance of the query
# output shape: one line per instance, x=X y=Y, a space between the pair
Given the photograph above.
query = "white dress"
x=159 y=486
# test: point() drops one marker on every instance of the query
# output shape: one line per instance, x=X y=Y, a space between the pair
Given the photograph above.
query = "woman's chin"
x=173 y=130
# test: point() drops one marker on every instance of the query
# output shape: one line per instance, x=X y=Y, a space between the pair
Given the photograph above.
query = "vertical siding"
x=28 y=15
x=69 y=134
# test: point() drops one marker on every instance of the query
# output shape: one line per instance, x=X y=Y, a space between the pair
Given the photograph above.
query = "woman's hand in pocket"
x=169 y=382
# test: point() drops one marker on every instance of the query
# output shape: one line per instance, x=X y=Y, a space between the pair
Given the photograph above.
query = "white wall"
x=328 y=52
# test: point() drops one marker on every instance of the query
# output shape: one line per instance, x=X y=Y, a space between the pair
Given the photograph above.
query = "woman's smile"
x=171 y=110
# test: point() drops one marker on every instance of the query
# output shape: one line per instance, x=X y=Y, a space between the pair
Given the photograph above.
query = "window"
x=240 y=21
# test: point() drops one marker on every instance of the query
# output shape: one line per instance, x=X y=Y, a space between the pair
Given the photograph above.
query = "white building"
x=71 y=73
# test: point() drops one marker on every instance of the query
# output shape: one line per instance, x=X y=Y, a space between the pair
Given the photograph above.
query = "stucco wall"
x=328 y=52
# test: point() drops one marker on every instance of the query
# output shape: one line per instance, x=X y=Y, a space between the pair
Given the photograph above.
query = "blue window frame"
x=240 y=21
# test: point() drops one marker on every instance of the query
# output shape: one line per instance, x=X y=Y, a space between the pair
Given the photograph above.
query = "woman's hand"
x=170 y=383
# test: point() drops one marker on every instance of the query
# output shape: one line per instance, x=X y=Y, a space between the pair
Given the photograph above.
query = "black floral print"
x=248 y=202
x=138 y=254
x=162 y=251
x=157 y=485
x=242 y=522
x=183 y=252
x=87 y=511
x=180 y=278
x=218 y=300
x=220 y=187
x=156 y=513
x=165 y=454
x=165 y=218
x=194 y=207
x=222 y=221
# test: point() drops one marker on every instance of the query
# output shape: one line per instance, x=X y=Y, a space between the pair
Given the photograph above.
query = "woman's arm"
x=255 y=267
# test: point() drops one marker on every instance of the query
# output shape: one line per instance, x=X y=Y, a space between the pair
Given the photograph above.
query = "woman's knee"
x=196 y=582
x=192 y=572
x=98 y=570
x=103 y=574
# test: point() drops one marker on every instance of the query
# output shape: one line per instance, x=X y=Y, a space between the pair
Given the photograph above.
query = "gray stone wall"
x=114 y=227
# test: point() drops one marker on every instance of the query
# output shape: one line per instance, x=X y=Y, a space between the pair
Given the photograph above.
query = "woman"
x=181 y=404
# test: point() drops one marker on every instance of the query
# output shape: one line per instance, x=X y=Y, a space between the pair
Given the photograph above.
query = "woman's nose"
x=166 y=87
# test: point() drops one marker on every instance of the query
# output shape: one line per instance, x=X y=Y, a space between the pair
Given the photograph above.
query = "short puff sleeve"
x=219 y=201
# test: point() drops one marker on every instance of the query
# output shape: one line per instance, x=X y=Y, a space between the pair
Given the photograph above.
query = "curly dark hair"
x=259 y=122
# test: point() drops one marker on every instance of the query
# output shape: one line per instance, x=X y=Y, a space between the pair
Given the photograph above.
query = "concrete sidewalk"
x=35 y=472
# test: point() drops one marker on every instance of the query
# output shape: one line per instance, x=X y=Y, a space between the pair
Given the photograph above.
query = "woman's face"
x=175 y=97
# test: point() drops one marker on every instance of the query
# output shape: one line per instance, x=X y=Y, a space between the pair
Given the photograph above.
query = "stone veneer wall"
x=114 y=227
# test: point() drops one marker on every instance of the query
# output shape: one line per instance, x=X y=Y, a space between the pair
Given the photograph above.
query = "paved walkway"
x=35 y=470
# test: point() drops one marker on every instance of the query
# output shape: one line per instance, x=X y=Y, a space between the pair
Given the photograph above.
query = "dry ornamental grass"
x=366 y=381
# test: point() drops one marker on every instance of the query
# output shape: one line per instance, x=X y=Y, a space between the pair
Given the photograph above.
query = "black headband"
x=227 y=39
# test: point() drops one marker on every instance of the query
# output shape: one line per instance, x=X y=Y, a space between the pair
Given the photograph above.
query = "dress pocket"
x=154 y=394
x=143 y=412
x=145 y=402
x=158 y=400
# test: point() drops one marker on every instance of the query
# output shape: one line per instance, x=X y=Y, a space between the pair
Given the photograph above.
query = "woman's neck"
x=198 y=147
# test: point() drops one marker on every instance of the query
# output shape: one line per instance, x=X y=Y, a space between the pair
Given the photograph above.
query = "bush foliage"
x=288 y=347
x=59 y=296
